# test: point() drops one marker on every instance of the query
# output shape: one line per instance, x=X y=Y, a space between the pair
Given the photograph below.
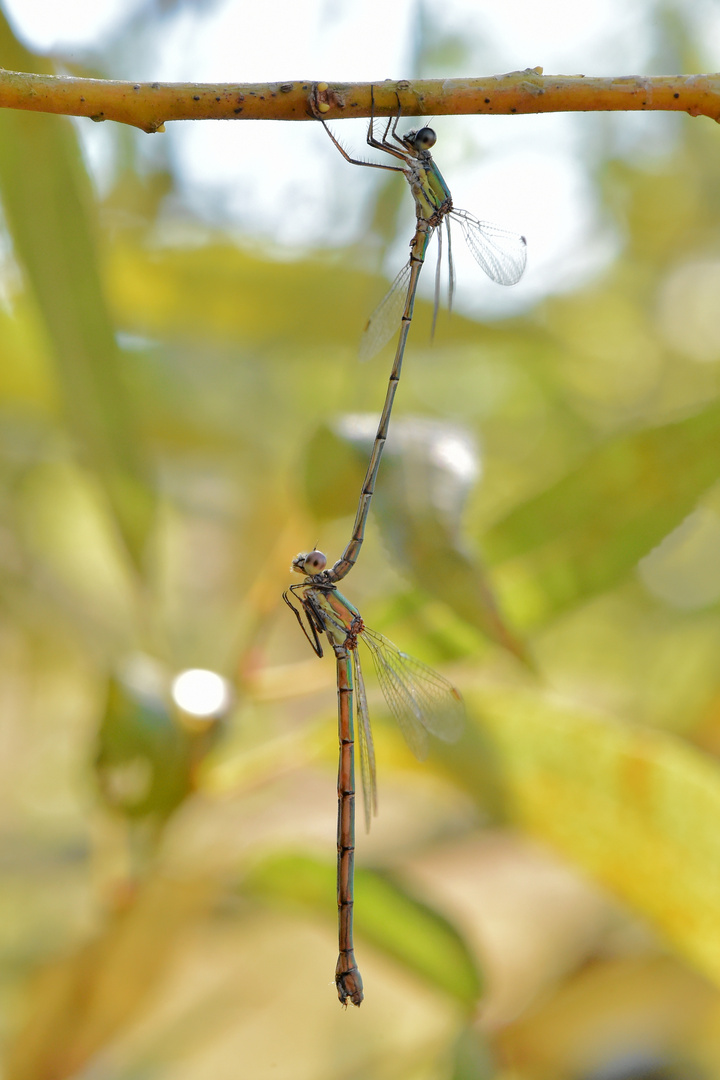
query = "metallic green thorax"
x=340 y=619
x=432 y=201
x=435 y=192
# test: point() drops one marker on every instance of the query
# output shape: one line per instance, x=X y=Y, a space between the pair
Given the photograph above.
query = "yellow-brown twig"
x=149 y=105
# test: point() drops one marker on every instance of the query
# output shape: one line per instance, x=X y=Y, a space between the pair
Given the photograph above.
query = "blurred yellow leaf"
x=635 y=807
x=79 y=1003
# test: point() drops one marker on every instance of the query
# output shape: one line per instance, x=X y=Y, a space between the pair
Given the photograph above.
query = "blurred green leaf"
x=586 y=533
x=416 y=935
x=472 y=1059
x=146 y=761
x=48 y=205
x=426 y=475
x=333 y=471
x=386 y=915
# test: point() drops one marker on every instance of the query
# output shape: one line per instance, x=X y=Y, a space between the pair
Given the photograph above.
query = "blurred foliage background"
x=179 y=415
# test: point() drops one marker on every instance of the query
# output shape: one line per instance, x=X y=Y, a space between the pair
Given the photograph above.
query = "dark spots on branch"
x=513 y=110
x=155 y=86
x=286 y=88
x=217 y=98
x=82 y=99
x=196 y=97
x=676 y=95
x=136 y=86
x=487 y=100
x=238 y=110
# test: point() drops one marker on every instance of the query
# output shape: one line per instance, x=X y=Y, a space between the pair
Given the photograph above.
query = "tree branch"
x=150 y=105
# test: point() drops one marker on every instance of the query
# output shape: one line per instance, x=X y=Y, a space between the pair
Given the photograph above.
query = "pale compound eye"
x=425 y=138
x=312 y=563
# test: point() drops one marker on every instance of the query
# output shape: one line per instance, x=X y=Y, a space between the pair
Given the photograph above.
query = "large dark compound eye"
x=425 y=139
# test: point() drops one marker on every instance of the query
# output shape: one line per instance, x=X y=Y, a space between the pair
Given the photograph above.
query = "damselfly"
x=501 y=254
x=420 y=700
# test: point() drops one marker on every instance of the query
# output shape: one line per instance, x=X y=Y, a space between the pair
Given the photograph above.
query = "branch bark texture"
x=150 y=105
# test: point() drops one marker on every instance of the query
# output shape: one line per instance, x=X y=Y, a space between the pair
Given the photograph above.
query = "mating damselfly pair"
x=420 y=699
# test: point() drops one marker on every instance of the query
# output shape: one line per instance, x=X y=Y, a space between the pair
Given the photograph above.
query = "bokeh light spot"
x=201 y=692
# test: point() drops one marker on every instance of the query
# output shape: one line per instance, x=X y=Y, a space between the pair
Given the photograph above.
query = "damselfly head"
x=424 y=139
x=311 y=562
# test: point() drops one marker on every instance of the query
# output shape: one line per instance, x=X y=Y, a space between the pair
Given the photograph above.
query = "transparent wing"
x=385 y=319
x=451 y=266
x=365 y=743
x=419 y=698
x=438 y=269
x=500 y=253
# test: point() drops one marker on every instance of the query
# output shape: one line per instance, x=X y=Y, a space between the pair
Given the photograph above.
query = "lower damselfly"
x=419 y=698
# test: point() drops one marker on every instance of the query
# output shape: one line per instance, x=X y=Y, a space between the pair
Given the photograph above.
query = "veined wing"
x=385 y=319
x=500 y=253
x=365 y=742
x=419 y=698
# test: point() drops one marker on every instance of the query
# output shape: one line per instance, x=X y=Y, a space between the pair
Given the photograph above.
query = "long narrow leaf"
x=587 y=532
x=48 y=205
x=386 y=916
